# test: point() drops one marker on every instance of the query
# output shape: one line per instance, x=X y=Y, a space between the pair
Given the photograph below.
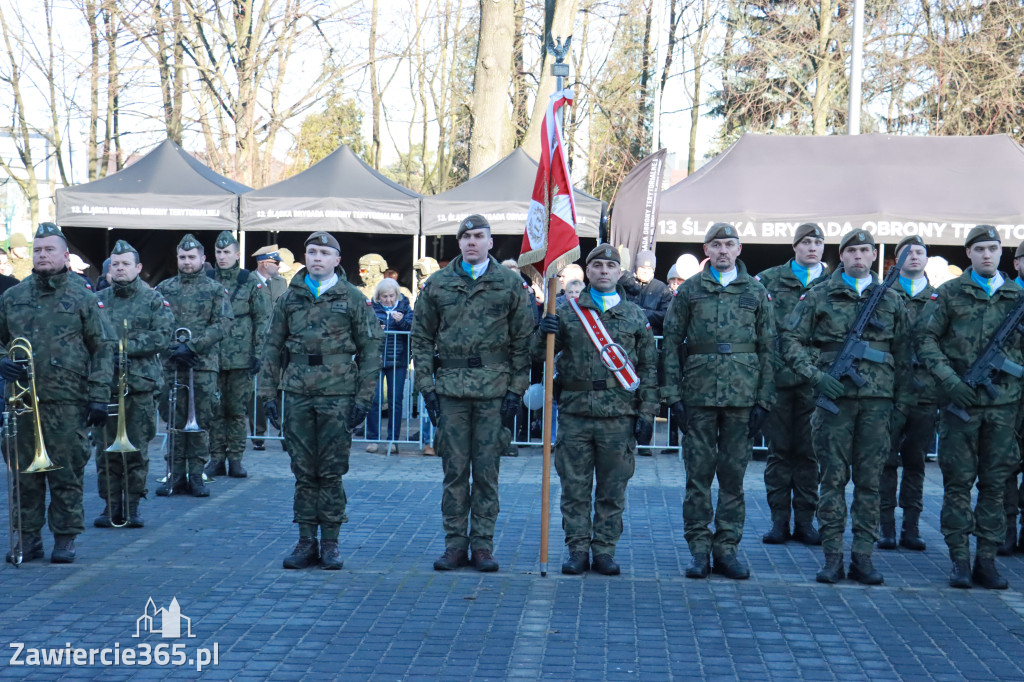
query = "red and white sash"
x=613 y=356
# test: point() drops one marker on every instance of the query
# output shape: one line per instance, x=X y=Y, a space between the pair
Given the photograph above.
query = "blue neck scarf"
x=804 y=274
x=990 y=285
x=722 y=278
x=858 y=285
x=913 y=286
x=604 y=301
x=318 y=288
x=475 y=271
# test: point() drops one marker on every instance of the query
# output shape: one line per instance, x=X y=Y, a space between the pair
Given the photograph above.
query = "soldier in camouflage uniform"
x=71 y=353
x=471 y=350
x=323 y=349
x=956 y=327
x=913 y=431
x=240 y=351
x=857 y=438
x=268 y=264
x=200 y=305
x=141 y=316
x=599 y=422
x=20 y=257
x=1013 y=496
x=720 y=395
x=791 y=473
x=371 y=272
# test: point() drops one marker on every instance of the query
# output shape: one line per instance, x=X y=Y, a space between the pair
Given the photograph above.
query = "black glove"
x=255 y=365
x=270 y=411
x=962 y=395
x=629 y=284
x=509 y=409
x=96 y=415
x=357 y=414
x=758 y=415
x=13 y=371
x=643 y=430
x=432 y=406
x=678 y=415
x=184 y=356
x=829 y=386
x=549 y=324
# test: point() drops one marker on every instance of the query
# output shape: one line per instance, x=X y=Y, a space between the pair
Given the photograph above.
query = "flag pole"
x=559 y=69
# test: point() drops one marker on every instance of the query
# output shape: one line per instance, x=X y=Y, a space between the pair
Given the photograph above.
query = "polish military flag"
x=550 y=242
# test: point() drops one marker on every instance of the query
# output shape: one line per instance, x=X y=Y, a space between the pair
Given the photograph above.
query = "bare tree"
x=491 y=137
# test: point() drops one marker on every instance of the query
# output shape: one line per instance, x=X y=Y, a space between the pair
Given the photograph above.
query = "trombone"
x=121 y=443
x=21 y=399
x=181 y=335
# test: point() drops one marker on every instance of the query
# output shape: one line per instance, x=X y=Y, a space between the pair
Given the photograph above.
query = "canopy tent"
x=167 y=189
x=502 y=195
x=339 y=193
x=893 y=186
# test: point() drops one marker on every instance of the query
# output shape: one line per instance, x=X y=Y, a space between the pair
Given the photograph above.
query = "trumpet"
x=22 y=399
x=121 y=442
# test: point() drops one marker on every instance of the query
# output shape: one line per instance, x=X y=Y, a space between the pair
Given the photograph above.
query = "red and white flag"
x=550 y=242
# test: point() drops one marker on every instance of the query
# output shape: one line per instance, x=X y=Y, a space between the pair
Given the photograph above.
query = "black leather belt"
x=599 y=385
x=835 y=347
x=473 y=362
x=316 y=359
x=720 y=348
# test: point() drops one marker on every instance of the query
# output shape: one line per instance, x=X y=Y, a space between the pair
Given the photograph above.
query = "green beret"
x=473 y=222
x=721 y=231
x=188 y=242
x=808 y=230
x=49 y=230
x=323 y=239
x=122 y=247
x=856 y=238
x=226 y=239
x=604 y=252
x=982 y=233
x=907 y=241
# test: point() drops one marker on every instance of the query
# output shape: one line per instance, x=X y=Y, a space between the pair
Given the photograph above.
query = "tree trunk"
x=491 y=137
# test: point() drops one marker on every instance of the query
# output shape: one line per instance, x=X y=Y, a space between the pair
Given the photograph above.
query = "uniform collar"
x=50 y=282
x=125 y=290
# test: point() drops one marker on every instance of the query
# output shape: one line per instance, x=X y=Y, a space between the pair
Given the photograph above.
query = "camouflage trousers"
x=983 y=451
x=854 y=442
x=1013 y=496
x=190 y=450
x=227 y=432
x=64 y=437
x=318 y=440
x=140 y=427
x=913 y=436
x=587 y=448
x=715 y=446
x=470 y=440
x=791 y=473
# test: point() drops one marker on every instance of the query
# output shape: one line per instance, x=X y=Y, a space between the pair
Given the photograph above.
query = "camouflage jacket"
x=201 y=305
x=21 y=267
x=577 y=360
x=812 y=333
x=150 y=327
x=487 y=322
x=785 y=290
x=957 y=324
x=706 y=316
x=250 y=303
x=72 y=347
x=322 y=346
x=923 y=387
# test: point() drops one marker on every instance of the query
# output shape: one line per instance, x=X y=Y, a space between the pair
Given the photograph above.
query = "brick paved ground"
x=388 y=616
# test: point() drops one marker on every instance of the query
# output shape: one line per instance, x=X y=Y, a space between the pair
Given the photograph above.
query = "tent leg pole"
x=241 y=248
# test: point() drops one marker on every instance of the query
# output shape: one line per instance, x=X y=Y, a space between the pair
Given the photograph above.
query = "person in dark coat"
x=394 y=313
x=651 y=294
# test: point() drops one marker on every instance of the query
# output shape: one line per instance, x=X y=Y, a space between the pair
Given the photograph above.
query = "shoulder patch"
x=99 y=303
x=166 y=303
x=768 y=295
x=803 y=296
x=648 y=325
x=757 y=277
x=369 y=303
x=935 y=296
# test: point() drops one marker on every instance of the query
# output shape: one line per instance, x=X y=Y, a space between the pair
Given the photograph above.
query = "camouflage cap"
x=721 y=231
x=267 y=253
x=225 y=239
x=646 y=259
x=856 y=237
x=982 y=233
x=122 y=247
x=17 y=240
x=368 y=259
x=49 y=230
x=604 y=252
x=473 y=222
x=808 y=230
x=323 y=239
x=907 y=241
x=188 y=242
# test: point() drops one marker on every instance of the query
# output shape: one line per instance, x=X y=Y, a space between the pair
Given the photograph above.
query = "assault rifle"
x=854 y=347
x=992 y=359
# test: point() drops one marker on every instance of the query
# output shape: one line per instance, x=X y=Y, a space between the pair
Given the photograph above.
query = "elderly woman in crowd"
x=394 y=312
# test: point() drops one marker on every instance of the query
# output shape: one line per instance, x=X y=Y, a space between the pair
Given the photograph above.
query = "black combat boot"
x=176 y=484
x=863 y=571
x=103 y=520
x=1020 y=541
x=215 y=468
x=483 y=561
x=306 y=553
x=135 y=519
x=63 y=549
x=778 y=534
x=700 y=567
x=1010 y=541
x=805 y=533
x=909 y=536
x=235 y=469
x=605 y=564
x=987 y=575
x=731 y=567
x=832 y=572
x=330 y=557
x=451 y=559
x=258 y=445
x=960 y=576
x=196 y=484
x=577 y=563
x=886 y=532
x=31 y=548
